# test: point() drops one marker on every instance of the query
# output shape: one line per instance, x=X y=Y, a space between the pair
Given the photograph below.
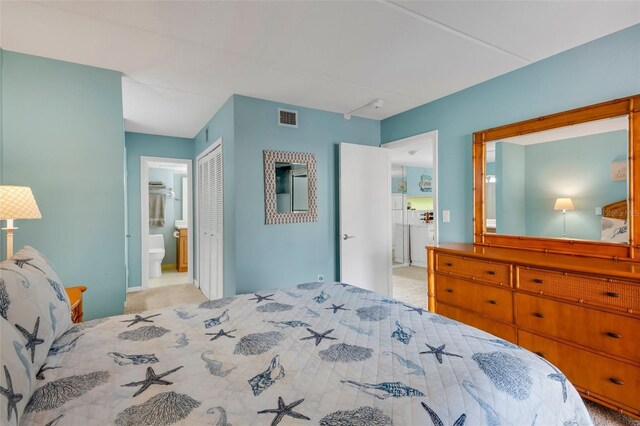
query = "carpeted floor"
x=410 y=286
x=161 y=297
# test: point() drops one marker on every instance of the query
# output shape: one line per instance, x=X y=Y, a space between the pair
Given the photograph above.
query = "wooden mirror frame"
x=615 y=108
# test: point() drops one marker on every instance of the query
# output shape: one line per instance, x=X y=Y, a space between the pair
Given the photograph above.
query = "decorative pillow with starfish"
x=34 y=302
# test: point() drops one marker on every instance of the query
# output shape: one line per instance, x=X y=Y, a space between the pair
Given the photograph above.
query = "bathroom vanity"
x=182 y=250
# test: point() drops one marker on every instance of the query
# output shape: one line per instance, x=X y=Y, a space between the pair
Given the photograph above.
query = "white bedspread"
x=313 y=354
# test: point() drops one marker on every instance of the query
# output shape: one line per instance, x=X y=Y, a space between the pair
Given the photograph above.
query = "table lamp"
x=564 y=204
x=16 y=202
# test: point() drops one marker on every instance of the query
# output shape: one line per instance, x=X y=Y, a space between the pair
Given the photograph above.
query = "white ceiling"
x=182 y=60
x=416 y=151
x=567 y=132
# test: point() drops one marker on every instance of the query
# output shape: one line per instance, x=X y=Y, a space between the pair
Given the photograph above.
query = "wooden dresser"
x=582 y=314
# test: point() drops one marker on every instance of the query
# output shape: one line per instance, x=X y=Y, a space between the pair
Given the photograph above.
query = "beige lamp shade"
x=17 y=202
x=563 y=204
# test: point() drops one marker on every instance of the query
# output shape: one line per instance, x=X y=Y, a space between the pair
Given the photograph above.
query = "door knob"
x=347 y=237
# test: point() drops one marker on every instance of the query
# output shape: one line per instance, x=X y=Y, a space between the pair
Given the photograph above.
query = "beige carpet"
x=162 y=297
x=410 y=286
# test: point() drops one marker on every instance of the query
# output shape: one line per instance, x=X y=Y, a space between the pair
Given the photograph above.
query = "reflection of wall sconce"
x=564 y=204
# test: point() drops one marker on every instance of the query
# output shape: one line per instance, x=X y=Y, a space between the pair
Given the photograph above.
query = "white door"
x=365 y=217
x=211 y=224
x=203 y=227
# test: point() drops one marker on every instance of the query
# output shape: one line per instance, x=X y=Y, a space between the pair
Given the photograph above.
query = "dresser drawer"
x=484 y=299
x=575 y=287
x=614 y=380
x=502 y=330
x=487 y=271
x=609 y=333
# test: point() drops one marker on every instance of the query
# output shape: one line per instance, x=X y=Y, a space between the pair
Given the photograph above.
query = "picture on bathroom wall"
x=402 y=185
x=425 y=184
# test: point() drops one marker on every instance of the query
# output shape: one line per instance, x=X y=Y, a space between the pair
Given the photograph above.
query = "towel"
x=156 y=210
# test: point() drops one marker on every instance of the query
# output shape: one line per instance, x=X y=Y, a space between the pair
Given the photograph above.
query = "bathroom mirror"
x=561 y=183
x=290 y=187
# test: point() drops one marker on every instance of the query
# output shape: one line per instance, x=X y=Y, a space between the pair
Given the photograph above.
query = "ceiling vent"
x=287 y=118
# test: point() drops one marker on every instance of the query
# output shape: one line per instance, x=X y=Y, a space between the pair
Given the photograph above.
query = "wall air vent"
x=287 y=118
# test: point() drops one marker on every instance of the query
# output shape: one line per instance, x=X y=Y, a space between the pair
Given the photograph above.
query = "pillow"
x=614 y=230
x=17 y=375
x=34 y=301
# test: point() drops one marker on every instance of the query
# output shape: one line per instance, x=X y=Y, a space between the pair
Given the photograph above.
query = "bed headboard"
x=617 y=210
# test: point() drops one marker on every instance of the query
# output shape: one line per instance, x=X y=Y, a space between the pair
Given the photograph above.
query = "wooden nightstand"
x=75 y=300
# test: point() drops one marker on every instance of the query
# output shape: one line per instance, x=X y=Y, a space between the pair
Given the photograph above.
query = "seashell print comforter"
x=318 y=353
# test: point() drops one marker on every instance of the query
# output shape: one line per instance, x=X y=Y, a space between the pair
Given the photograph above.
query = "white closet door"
x=217 y=291
x=211 y=208
x=213 y=218
x=205 y=216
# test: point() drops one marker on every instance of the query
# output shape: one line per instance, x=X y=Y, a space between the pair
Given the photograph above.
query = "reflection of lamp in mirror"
x=564 y=204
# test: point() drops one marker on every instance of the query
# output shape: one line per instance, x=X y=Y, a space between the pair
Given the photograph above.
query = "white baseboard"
x=138 y=288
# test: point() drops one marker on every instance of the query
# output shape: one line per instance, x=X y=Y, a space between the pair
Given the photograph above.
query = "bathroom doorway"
x=166 y=222
x=413 y=214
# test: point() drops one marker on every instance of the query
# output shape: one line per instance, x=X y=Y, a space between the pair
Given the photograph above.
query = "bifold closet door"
x=211 y=209
x=204 y=218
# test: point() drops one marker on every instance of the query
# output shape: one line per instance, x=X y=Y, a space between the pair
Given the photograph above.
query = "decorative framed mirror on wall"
x=290 y=187
x=562 y=183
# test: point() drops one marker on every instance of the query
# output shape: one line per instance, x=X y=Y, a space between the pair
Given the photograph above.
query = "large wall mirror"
x=561 y=183
x=290 y=187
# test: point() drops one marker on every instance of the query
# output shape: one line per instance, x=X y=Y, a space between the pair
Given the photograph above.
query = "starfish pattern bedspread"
x=317 y=353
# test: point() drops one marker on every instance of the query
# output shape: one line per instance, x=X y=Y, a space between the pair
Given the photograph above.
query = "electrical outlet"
x=446 y=216
x=320 y=278
x=598 y=211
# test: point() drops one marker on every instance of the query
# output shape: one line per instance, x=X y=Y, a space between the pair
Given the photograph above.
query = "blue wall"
x=139 y=145
x=605 y=69
x=510 y=189
x=221 y=125
x=578 y=168
x=259 y=256
x=63 y=136
x=274 y=256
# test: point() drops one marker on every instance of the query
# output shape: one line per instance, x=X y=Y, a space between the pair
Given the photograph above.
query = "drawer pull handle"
x=491 y=272
x=614 y=335
x=612 y=294
x=538 y=281
x=616 y=381
x=538 y=314
x=449 y=290
x=492 y=302
x=541 y=354
x=448 y=264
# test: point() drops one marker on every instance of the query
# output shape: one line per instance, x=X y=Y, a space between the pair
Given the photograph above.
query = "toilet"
x=156 y=254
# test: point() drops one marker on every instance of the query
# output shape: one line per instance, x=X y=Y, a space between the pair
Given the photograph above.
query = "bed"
x=614 y=227
x=315 y=353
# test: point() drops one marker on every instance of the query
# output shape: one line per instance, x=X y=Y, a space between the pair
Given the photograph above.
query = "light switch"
x=446 y=216
x=598 y=211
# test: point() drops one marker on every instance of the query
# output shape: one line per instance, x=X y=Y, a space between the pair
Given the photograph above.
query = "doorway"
x=166 y=221
x=414 y=219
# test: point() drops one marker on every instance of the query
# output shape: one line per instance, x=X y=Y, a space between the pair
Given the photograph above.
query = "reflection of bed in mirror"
x=614 y=222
